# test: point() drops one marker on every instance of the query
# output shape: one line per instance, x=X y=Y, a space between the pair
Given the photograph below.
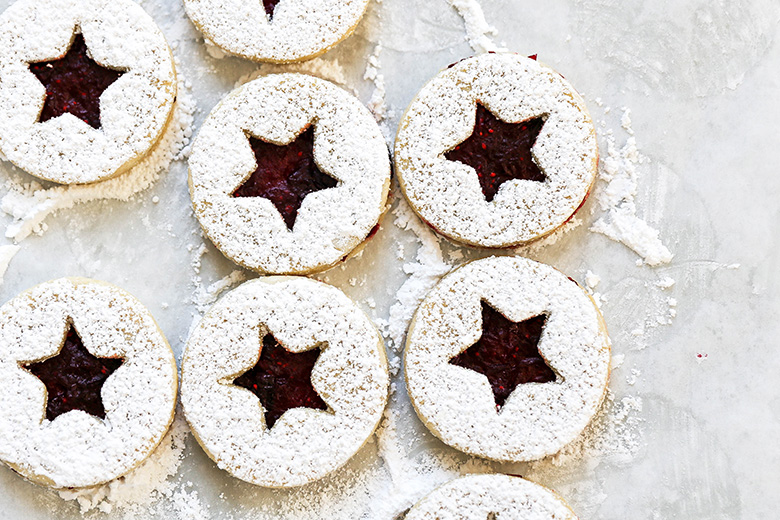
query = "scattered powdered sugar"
x=491 y=497
x=616 y=198
x=300 y=29
x=477 y=28
x=458 y=405
x=30 y=203
x=372 y=73
x=205 y=296
x=423 y=273
x=142 y=487
x=330 y=70
x=447 y=193
x=7 y=252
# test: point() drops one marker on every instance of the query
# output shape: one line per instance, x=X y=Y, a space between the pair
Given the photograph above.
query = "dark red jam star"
x=285 y=174
x=74 y=378
x=74 y=84
x=282 y=380
x=270 y=5
x=507 y=353
x=499 y=151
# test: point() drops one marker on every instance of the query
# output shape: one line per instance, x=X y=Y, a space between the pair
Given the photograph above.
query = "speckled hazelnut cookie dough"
x=278 y=31
x=500 y=497
x=289 y=174
x=89 y=383
x=507 y=359
x=86 y=87
x=496 y=151
x=283 y=381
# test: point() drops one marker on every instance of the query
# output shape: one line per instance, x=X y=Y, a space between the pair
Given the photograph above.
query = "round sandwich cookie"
x=89 y=383
x=277 y=31
x=496 y=151
x=491 y=497
x=289 y=175
x=283 y=380
x=507 y=359
x=86 y=87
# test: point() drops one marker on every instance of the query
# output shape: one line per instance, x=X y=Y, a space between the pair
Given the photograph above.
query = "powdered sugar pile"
x=477 y=28
x=31 y=203
x=616 y=198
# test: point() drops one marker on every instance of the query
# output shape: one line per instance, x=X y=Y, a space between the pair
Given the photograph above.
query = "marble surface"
x=691 y=429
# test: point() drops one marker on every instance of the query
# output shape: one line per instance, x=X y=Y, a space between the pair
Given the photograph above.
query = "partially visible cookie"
x=283 y=380
x=289 y=174
x=89 y=383
x=86 y=87
x=278 y=31
x=496 y=151
x=507 y=358
x=489 y=497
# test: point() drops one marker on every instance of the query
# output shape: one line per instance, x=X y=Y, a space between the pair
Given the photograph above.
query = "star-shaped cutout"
x=282 y=380
x=270 y=6
x=74 y=84
x=74 y=378
x=285 y=174
x=507 y=353
x=499 y=151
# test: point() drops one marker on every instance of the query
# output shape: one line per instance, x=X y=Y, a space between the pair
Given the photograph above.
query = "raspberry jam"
x=499 y=151
x=282 y=380
x=74 y=84
x=270 y=6
x=74 y=378
x=285 y=174
x=507 y=353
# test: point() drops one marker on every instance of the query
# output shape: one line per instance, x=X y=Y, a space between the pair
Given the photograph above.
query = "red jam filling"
x=282 y=380
x=507 y=353
x=74 y=378
x=270 y=6
x=74 y=84
x=285 y=174
x=499 y=151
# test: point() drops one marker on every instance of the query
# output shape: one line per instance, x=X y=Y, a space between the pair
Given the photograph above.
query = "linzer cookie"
x=89 y=383
x=86 y=87
x=491 y=497
x=507 y=359
x=283 y=380
x=289 y=175
x=496 y=151
x=278 y=31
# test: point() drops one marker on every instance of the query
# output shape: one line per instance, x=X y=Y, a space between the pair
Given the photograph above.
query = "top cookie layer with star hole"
x=489 y=196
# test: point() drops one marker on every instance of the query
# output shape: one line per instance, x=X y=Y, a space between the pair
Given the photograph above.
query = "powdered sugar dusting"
x=30 y=203
x=7 y=252
x=142 y=487
x=491 y=496
x=88 y=450
x=447 y=193
x=457 y=404
x=133 y=110
x=330 y=223
x=300 y=29
x=304 y=444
